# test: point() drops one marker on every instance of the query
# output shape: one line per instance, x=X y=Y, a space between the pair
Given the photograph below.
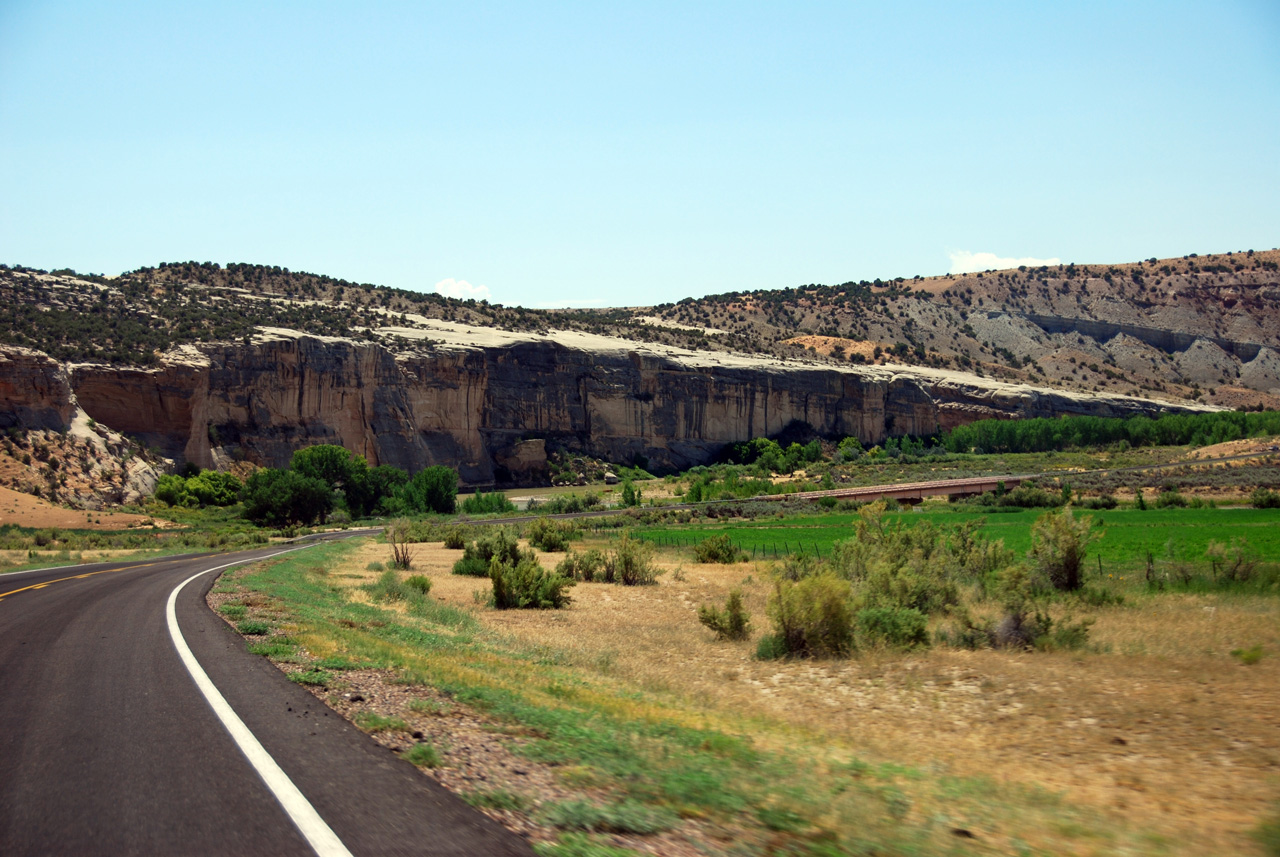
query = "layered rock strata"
x=491 y=410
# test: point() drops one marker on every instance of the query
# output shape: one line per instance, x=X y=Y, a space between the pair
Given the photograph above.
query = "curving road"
x=108 y=745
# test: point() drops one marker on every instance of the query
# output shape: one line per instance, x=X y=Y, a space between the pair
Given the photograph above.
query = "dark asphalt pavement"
x=108 y=747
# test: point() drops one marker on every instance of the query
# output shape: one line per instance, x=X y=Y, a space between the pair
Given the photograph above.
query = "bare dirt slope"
x=23 y=510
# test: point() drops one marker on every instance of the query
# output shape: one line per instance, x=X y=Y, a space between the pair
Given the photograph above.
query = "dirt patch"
x=1235 y=447
x=27 y=511
x=827 y=345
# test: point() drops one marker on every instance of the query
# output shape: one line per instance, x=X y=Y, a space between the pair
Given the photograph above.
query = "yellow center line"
x=76 y=577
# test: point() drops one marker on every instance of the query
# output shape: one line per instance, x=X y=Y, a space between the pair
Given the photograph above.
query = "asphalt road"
x=108 y=745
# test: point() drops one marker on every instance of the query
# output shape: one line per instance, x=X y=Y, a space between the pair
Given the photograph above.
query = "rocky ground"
x=88 y=467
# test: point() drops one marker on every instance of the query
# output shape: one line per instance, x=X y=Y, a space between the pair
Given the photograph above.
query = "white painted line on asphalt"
x=304 y=816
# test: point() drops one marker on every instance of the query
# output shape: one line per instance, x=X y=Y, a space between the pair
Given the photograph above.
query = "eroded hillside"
x=1201 y=328
x=208 y=365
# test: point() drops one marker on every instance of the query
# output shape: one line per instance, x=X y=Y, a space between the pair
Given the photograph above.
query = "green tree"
x=331 y=464
x=434 y=489
x=283 y=497
x=211 y=488
x=172 y=490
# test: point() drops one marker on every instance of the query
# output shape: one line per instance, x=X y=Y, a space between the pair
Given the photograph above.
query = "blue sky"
x=611 y=154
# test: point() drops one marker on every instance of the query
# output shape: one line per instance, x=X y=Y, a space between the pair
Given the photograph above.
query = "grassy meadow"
x=1126 y=535
x=635 y=731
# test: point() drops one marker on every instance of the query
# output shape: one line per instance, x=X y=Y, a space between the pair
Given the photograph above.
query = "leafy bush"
x=1059 y=544
x=390 y=588
x=481 y=503
x=498 y=544
x=1030 y=497
x=526 y=584
x=564 y=504
x=419 y=583
x=731 y=623
x=552 y=536
x=586 y=565
x=1263 y=498
x=719 y=549
x=455 y=539
x=1171 y=499
x=1249 y=656
x=902 y=627
x=206 y=488
x=1106 y=501
x=631 y=564
x=914 y=581
x=812 y=617
x=771 y=648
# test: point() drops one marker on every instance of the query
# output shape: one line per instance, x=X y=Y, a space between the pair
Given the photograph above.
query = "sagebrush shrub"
x=389 y=587
x=498 y=543
x=812 y=617
x=631 y=563
x=1059 y=544
x=481 y=503
x=718 y=549
x=526 y=584
x=552 y=536
x=418 y=583
x=1263 y=498
x=911 y=582
x=731 y=623
x=903 y=627
x=586 y=566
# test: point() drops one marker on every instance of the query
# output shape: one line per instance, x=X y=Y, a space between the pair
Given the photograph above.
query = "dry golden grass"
x=1161 y=729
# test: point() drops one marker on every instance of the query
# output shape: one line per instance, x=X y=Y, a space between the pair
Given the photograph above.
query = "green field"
x=1127 y=534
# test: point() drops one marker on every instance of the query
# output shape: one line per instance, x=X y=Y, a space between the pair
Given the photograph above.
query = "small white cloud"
x=965 y=262
x=462 y=290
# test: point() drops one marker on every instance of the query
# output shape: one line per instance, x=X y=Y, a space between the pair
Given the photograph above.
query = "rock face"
x=492 y=411
x=35 y=392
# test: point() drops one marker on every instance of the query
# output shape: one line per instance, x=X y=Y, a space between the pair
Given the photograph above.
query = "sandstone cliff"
x=472 y=399
x=60 y=452
x=35 y=391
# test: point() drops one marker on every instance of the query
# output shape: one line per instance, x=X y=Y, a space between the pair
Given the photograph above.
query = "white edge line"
x=304 y=816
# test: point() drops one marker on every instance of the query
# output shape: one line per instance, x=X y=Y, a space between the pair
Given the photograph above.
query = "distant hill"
x=1200 y=328
x=214 y=365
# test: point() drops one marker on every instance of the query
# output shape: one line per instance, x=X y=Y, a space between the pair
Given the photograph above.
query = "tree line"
x=1045 y=434
x=319 y=480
